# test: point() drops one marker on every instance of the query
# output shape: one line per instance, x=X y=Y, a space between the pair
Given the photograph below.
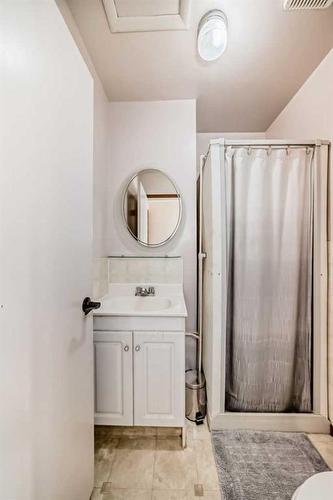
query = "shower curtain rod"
x=260 y=146
x=263 y=144
x=271 y=146
x=268 y=142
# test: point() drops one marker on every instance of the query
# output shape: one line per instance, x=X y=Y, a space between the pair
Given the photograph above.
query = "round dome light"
x=212 y=35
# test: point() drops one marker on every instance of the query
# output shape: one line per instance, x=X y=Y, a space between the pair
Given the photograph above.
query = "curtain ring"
x=288 y=150
x=308 y=150
x=269 y=150
x=249 y=150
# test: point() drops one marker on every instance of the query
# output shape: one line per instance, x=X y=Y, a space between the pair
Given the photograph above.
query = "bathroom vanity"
x=139 y=330
x=139 y=345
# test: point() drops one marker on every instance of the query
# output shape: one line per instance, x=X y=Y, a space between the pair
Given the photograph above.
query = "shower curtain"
x=269 y=221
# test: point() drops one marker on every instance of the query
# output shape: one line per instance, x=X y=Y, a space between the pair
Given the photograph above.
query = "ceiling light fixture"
x=212 y=35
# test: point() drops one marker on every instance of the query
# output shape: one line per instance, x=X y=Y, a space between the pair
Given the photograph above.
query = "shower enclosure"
x=263 y=284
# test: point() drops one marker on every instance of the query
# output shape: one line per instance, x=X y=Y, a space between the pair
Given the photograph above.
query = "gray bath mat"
x=258 y=465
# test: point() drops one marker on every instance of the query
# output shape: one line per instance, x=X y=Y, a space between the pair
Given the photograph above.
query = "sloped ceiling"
x=270 y=54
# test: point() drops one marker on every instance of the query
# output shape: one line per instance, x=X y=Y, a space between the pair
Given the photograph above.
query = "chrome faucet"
x=142 y=291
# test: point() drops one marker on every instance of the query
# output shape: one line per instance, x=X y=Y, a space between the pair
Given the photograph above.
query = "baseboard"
x=209 y=419
x=289 y=422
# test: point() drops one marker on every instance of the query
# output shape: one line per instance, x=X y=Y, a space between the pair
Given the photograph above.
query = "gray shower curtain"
x=269 y=200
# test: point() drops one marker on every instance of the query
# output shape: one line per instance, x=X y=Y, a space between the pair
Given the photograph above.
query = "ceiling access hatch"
x=147 y=15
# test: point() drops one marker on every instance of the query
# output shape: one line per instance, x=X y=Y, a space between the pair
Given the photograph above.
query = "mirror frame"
x=152 y=245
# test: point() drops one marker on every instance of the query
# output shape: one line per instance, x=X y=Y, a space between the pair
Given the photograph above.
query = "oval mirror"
x=152 y=207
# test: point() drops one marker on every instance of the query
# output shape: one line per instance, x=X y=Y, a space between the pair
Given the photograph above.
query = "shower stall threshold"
x=286 y=422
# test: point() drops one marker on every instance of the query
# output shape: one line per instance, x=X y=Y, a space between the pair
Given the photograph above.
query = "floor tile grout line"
x=113 y=459
x=196 y=463
x=154 y=462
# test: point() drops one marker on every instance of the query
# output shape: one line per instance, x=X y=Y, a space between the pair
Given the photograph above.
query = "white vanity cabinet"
x=159 y=378
x=113 y=377
x=139 y=377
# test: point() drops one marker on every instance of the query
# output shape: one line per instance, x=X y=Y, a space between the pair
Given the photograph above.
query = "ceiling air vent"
x=306 y=4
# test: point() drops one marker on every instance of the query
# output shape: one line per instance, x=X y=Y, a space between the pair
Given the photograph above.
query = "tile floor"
x=136 y=463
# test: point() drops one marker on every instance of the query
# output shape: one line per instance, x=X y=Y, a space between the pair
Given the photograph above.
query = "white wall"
x=101 y=167
x=100 y=138
x=309 y=115
x=162 y=135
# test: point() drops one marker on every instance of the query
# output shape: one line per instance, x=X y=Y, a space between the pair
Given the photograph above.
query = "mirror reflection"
x=152 y=207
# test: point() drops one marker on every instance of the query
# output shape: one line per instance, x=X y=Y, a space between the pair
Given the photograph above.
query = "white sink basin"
x=137 y=304
x=121 y=301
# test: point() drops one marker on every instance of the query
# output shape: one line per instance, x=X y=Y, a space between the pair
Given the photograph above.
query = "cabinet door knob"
x=126 y=348
x=137 y=348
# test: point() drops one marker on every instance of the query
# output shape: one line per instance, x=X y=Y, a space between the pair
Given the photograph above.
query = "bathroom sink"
x=138 y=304
x=121 y=301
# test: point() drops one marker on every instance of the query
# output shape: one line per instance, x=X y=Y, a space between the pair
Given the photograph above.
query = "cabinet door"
x=159 y=378
x=113 y=378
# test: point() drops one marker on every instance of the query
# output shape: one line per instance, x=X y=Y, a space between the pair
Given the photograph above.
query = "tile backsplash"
x=146 y=270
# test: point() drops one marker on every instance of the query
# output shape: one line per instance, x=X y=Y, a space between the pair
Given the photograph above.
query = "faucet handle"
x=143 y=291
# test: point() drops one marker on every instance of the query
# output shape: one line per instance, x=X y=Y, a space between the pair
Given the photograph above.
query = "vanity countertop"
x=168 y=301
